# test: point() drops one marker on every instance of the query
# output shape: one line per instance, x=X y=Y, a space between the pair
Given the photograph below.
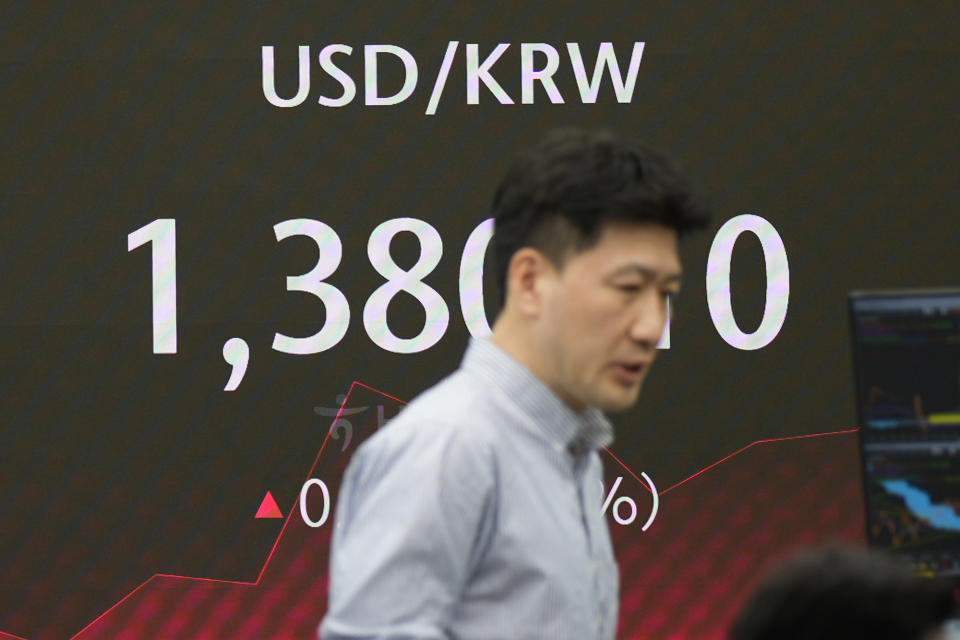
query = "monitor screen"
x=907 y=365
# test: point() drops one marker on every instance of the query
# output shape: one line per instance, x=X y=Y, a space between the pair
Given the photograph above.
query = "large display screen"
x=238 y=237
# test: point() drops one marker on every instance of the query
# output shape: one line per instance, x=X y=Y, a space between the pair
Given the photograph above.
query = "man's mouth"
x=629 y=372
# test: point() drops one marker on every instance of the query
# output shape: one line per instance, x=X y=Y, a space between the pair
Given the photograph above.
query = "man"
x=475 y=513
x=840 y=593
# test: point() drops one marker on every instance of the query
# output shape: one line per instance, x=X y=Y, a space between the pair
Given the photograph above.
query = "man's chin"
x=619 y=401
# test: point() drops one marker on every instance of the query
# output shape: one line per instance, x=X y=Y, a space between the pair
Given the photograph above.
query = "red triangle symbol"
x=268 y=508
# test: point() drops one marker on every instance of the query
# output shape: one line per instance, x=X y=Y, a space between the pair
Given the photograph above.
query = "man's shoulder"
x=455 y=404
x=460 y=394
x=453 y=417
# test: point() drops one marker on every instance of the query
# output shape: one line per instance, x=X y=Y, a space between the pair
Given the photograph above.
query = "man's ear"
x=529 y=274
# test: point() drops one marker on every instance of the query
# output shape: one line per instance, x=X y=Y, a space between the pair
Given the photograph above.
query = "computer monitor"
x=906 y=354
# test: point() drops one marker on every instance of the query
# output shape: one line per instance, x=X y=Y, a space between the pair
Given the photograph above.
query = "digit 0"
x=718 y=282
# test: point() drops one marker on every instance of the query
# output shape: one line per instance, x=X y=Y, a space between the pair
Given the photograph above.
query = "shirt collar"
x=589 y=429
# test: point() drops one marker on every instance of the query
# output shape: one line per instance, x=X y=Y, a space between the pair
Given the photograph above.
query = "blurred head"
x=585 y=251
x=844 y=593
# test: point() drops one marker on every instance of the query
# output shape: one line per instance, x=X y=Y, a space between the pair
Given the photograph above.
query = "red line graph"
x=753 y=444
x=355 y=384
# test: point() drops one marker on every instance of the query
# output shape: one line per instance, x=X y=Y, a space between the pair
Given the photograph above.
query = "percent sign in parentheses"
x=608 y=498
x=237 y=354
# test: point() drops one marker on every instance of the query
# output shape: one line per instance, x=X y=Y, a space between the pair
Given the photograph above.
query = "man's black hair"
x=558 y=196
x=846 y=593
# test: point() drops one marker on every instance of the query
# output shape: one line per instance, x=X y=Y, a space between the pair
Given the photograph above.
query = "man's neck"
x=520 y=346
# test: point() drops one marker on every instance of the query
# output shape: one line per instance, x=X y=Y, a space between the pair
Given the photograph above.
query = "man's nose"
x=649 y=319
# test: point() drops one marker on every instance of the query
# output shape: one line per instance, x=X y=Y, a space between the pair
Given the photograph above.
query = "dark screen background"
x=835 y=121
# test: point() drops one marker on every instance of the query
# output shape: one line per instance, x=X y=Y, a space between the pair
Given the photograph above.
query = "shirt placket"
x=594 y=548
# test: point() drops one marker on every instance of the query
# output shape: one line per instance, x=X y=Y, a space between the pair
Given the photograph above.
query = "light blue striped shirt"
x=475 y=514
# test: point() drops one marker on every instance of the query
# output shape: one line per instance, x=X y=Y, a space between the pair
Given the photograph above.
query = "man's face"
x=603 y=314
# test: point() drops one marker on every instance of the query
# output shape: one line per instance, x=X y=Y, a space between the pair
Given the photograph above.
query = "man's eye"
x=629 y=288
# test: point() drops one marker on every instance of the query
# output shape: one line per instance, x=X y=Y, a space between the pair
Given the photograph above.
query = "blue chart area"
x=940 y=516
